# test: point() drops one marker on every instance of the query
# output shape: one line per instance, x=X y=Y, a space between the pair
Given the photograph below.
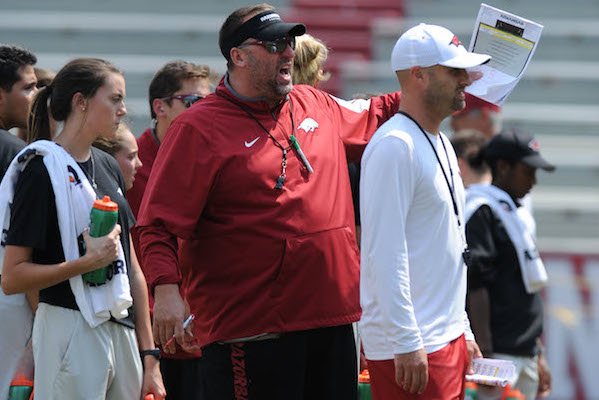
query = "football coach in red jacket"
x=250 y=196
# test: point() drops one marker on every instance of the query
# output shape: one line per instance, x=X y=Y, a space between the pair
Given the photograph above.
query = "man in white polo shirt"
x=414 y=327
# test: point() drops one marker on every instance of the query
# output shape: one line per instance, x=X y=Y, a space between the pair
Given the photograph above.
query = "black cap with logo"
x=514 y=144
x=267 y=25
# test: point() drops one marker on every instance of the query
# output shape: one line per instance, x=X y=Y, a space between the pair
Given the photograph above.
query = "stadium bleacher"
x=558 y=99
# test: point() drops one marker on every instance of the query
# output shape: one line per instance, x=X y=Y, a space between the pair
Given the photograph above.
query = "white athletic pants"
x=76 y=362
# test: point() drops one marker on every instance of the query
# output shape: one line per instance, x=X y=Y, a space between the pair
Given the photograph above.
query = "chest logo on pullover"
x=308 y=125
x=250 y=144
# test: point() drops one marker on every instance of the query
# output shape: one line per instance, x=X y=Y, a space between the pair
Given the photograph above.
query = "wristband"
x=151 y=352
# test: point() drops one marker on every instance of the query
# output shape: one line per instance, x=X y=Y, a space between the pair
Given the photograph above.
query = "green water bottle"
x=364 y=392
x=470 y=391
x=512 y=394
x=20 y=388
x=104 y=216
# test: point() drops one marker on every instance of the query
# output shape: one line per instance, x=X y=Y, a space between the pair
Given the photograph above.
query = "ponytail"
x=39 y=119
x=81 y=75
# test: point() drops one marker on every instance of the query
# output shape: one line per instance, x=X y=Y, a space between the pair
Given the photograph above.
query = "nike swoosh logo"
x=250 y=144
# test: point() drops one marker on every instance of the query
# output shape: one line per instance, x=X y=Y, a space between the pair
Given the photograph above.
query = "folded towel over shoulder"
x=520 y=227
x=74 y=199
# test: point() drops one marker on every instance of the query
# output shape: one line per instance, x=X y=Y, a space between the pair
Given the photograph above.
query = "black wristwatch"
x=151 y=352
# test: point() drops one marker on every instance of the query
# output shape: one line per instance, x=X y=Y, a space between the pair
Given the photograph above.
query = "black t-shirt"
x=10 y=145
x=516 y=316
x=34 y=222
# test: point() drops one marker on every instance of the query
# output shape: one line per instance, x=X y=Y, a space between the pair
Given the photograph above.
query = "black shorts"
x=181 y=378
x=318 y=364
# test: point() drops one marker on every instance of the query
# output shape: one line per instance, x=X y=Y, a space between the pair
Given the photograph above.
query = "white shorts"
x=76 y=362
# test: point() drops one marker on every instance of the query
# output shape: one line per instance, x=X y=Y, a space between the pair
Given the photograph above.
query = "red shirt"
x=148 y=147
x=260 y=259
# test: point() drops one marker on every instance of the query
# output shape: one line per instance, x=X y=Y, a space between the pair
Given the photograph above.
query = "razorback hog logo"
x=308 y=125
x=73 y=177
x=534 y=145
x=455 y=41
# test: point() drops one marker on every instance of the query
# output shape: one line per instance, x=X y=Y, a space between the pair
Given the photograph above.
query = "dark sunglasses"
x=276 y=46
x=186 y=99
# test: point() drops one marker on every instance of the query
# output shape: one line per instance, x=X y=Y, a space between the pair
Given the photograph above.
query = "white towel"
x=74 y=199
x=520 y=227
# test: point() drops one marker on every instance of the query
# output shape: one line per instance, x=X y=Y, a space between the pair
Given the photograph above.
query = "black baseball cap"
x=267 y=25
x=514 y=144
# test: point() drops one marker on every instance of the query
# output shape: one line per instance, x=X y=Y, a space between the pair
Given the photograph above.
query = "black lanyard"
x=451 y=185
x=294 y=143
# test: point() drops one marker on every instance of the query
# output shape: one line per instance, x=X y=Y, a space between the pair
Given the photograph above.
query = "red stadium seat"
x=345 y=40
x=335 y=19
x=344 y=26
x=393 y=5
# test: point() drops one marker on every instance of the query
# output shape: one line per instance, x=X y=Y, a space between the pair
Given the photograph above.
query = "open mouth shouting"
x=284 y=75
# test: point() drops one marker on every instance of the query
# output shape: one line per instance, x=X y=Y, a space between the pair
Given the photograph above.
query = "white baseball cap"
x=427 y=45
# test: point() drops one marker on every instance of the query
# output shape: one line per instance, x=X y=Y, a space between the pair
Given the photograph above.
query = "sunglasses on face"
x=186 y=99
x=276 y=46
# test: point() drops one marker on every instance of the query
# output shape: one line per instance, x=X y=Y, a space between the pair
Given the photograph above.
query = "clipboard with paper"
x=511 y=41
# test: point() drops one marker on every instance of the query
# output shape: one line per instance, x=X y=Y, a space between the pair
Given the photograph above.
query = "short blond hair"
x=310 y=56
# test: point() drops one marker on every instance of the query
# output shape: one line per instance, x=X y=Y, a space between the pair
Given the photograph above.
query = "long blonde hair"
x=310 y=56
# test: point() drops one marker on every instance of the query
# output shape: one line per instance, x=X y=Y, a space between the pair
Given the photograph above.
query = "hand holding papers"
x=492 y=372
x=511 y=42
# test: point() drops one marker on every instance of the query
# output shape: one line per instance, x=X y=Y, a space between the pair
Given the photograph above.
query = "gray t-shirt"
x=10 y=145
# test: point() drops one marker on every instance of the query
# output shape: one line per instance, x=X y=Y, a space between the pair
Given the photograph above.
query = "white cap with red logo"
x=427 y=45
